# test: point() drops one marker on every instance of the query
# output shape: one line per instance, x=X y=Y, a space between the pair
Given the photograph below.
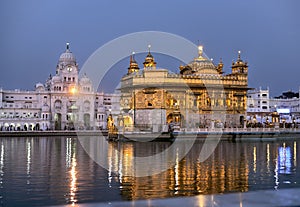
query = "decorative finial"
x=149 y=47
x=68 y=45
x=131 y=57
x=239 y=55
x=200 y=50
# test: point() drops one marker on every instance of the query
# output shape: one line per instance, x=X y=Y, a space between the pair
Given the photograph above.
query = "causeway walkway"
x=267 y=198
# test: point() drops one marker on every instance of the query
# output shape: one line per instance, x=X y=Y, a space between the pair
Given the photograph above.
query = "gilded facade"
x=199 y=95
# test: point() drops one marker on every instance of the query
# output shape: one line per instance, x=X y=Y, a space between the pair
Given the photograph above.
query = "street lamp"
x=254 y=120
x=294 y=122
x=283 y=122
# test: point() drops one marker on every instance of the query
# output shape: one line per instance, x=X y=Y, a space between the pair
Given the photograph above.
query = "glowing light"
x=73 y=90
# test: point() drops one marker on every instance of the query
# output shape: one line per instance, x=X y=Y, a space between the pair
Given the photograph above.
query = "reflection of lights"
x=71 y=162
x=116 y=161
x=268 y=157
x=110 y=163
x=284 y=159
x=295 y=154
x=120 y=167
x=176 y=172
x=254 y=159
x=201 y=201
x=28 y=158
x=73 y=174
x=276 y=173
x=68 y=152
x=127 y=160
x=241 y=200
x=1 y=164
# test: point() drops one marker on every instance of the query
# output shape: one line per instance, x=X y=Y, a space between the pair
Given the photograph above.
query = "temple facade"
x=198 y=95
x=65 y=101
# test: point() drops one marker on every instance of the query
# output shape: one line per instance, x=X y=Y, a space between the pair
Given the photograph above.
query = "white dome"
x=85 y=80
x=56 y=79
x=39 y=86
x=67 y=57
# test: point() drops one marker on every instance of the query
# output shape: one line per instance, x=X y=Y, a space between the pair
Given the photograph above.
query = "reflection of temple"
x=231 y=168
x=152 y=97
x=227 y=170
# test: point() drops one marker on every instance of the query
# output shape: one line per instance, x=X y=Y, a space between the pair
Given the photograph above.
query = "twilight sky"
x=34 y=33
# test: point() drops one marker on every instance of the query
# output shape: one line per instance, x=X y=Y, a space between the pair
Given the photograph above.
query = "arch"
x=86 y=120
x=175 y=117
x=57 y=104
x=37 y=126
x=26 y=126
x=86 y=105
x=57 y=121
x=18 y=127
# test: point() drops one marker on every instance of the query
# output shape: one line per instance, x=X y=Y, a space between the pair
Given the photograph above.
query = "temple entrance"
x=57 y=121
x=175 y=118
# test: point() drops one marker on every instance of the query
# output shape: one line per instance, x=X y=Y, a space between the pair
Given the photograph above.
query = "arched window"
x=86 y=105
x=57 y=104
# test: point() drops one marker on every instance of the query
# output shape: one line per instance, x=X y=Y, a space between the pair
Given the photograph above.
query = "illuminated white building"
x=258 y=105
x=261 y=106
x=287 y=107
x=65 y=101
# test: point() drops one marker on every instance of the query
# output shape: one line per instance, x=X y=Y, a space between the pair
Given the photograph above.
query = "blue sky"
x=34 y=33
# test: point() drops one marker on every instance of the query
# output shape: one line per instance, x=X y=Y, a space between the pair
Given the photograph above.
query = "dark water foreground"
x=44 y=171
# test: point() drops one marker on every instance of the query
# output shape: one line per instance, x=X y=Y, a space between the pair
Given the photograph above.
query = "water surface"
x=57 y=170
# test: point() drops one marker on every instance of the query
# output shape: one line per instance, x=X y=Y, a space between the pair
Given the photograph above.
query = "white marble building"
x=261 y=106
x=65 y=101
